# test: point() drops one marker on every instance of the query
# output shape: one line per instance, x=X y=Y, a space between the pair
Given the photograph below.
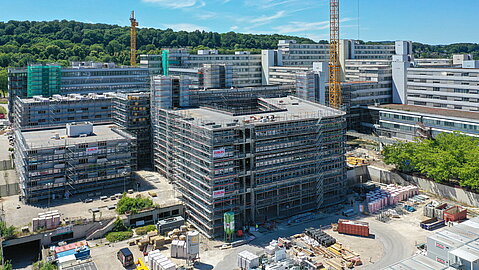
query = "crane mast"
x=134 y=24
x=335 y=93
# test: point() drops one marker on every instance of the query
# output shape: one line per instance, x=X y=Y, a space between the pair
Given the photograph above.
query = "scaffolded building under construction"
x=131 y=111
x=263 y=159
x=58 y=163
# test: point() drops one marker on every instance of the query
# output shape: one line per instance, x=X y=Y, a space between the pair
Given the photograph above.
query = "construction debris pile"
x=388 y=195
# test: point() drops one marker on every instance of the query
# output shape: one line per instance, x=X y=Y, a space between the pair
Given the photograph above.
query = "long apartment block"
x=59 y=163
x=267 y=158
x=46 y=112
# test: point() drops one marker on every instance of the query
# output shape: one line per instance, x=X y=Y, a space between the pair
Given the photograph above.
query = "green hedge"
x=118 y=236
x=143 y=230
x=132 y=205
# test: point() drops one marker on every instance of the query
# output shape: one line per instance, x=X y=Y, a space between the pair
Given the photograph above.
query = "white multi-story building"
x=448 y=88
x=246 y=68
x=368 y=70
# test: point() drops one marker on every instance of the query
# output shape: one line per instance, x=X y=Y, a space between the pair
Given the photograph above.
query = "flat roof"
x=467 y=253
x=417 y=262
x=82 y=266
x=166 y=194
x=293 y=108
x=45 y=138
x=430 y=111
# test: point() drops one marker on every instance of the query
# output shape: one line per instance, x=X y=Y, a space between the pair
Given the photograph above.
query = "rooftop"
x=418 y=262
x=166 y=194
x=46 y=138
x=431 y=111
x=69 y=97
x=289 y=109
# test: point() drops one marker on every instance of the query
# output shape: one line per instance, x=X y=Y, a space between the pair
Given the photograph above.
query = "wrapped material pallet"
x=174 y=249
x=247 y=260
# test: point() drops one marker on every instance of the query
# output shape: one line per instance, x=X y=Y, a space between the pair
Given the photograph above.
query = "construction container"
x=455 y=213
x=169 y=224
x=432 y=223
x=353 y=227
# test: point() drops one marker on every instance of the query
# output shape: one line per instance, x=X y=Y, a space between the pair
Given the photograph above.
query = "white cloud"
x=205 y=15
x=185 y=27
x=234 y=27
x=177 y=3
x=295 y=27
x=267 y=19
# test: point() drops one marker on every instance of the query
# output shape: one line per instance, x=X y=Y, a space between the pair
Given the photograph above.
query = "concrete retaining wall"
x=6 y=165
x=452 y=193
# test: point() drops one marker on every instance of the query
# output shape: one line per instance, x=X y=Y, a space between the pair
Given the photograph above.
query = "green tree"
x=3 y=82
x=7 y=232
x=133 y=205
x=41 y=265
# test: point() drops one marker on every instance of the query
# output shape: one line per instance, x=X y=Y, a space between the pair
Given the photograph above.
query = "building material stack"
x=391 y=195
x=158 y=261
x=48 y=220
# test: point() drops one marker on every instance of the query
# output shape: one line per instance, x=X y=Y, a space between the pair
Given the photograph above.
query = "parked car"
x=125 y=256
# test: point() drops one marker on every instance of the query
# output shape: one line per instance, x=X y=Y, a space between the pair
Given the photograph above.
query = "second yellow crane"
x=335 y=93
x=134 y=24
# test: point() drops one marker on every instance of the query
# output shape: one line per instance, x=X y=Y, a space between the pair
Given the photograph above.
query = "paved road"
x=396 y=246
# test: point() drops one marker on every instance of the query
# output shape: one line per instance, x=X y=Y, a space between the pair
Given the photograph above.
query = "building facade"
x=59 y=163
x=79 y=78
x=41 y=112
x=446 y=88
x=245 y=68
x=275 y=158
x=408 y=122
x=131 y=111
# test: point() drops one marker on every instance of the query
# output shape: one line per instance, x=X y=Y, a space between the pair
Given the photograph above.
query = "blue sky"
x=428 y=21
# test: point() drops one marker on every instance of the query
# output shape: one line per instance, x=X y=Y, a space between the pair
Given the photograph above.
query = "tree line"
x=451 y=158
x=23 y=42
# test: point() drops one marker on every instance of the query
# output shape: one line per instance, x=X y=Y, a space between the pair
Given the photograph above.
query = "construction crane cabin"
x=335 y=93
x=134 y=24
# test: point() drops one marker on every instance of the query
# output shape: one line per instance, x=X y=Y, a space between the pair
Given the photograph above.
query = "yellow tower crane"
x=134 y=24
x=335 y=93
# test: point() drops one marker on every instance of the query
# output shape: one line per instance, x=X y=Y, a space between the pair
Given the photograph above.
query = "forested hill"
x=22 y=42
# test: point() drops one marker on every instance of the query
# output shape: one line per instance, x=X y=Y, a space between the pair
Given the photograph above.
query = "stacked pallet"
x=390 y=195
x=48 y=220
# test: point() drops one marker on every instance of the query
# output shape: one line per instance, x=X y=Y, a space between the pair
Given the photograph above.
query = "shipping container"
x=353 y=227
